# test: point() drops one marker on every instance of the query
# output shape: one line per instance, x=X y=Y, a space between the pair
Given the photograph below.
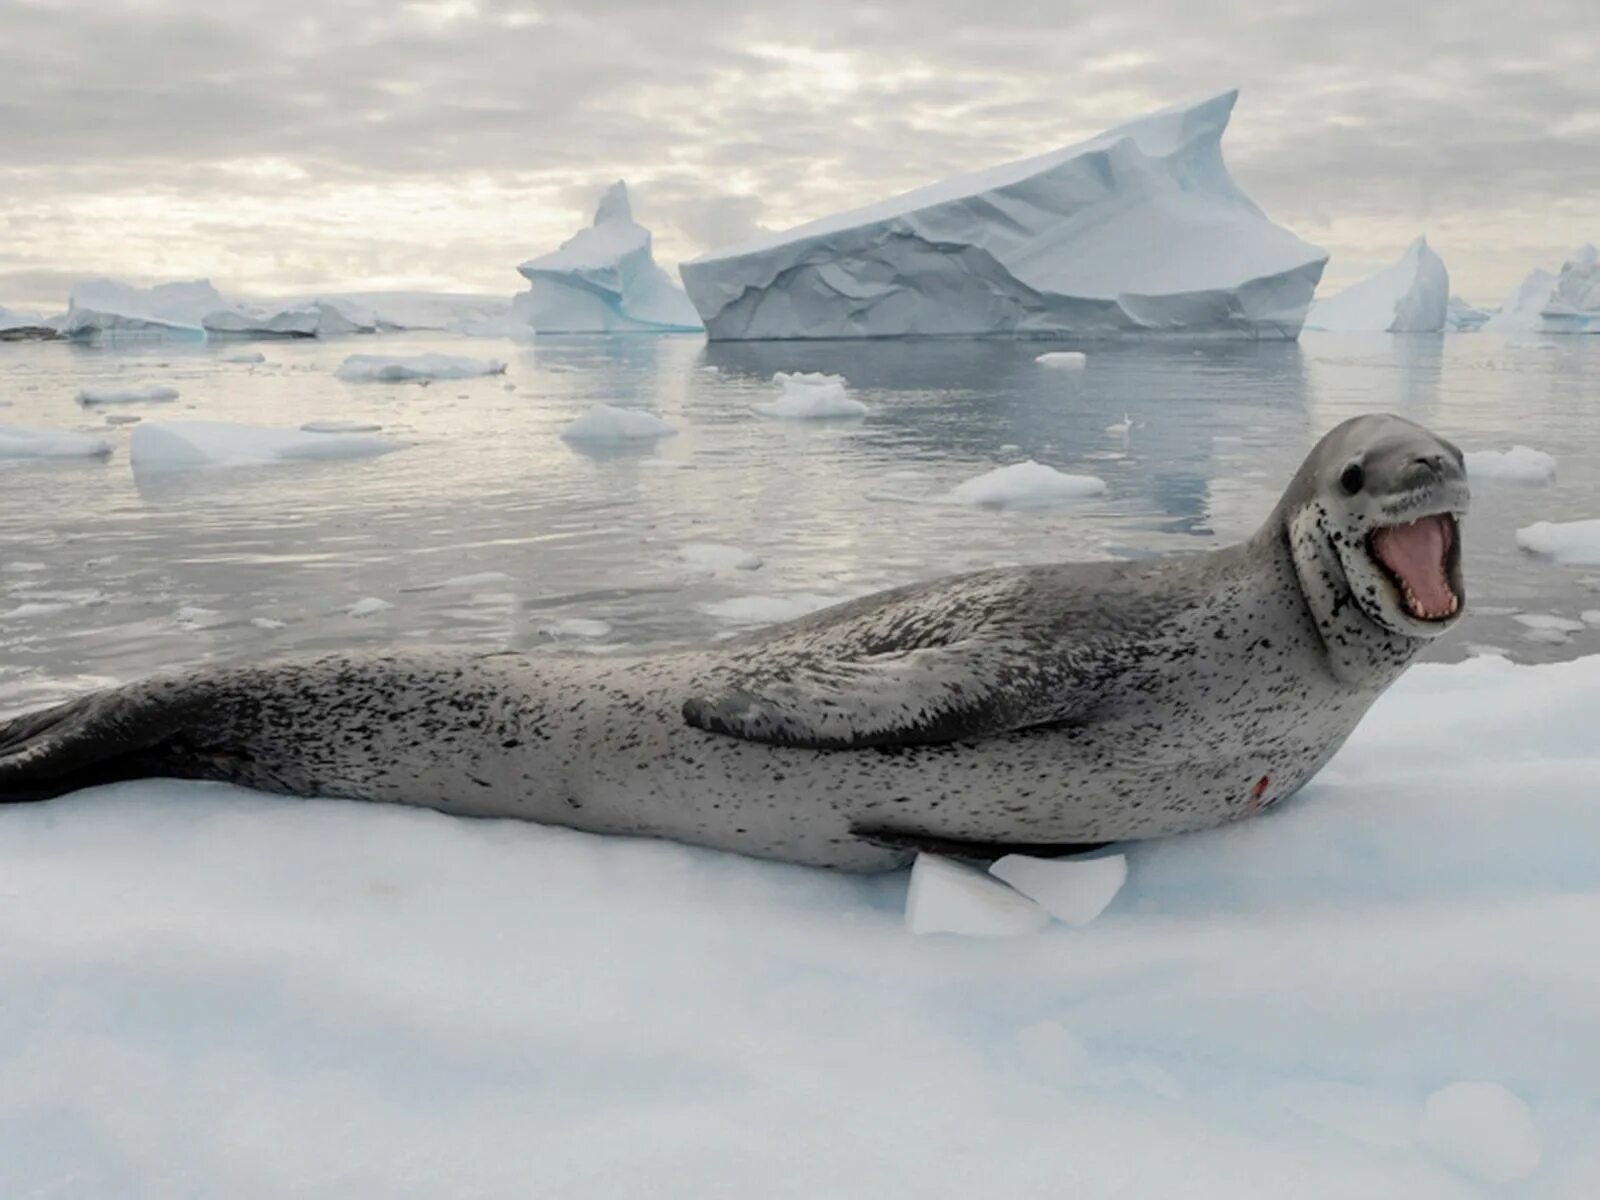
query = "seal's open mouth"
x=1418 y=557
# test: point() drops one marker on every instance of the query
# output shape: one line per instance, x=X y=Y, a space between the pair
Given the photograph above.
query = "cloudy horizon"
x=435 y=145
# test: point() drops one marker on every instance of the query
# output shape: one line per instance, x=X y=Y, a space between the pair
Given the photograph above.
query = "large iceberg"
x=603 y=279
x=106 y=306
x=1411 y=296
x=1522 y=311
x=1573 y=305
x=1140 y=230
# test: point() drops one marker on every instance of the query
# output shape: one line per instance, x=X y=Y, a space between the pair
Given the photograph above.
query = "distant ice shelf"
x=1140 y=230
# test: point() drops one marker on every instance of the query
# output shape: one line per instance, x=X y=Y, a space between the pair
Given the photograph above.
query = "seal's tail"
x=99 y=738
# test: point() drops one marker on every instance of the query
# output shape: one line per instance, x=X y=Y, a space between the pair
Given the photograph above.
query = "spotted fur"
x=1063 y=704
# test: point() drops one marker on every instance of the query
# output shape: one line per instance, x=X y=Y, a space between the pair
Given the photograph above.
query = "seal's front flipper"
x=100 y=738
x=970 y=689
x=967 y=851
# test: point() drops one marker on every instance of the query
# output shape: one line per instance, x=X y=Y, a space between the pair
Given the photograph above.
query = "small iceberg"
x=368 y=607
x=605 y=423
x=379 y=368
x=19 y=442
x=810 y=396
x=171 y=445
x=1520 y=464
x=1576 y=543
x=1410 y=296
x=715 y=557
x=603 y=279
x=1063 y=358
x=1024 y=485
x=147 y=394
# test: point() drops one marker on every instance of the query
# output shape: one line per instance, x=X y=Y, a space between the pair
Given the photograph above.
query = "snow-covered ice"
x=605 y=423
x=1139 y=230
x=1027 y=484
x=1574 y=542
x=262 y=997
x=368 y=607
x=1072 y=890
x=382 y=368
x=1520 y=464
x=341 y=427
x=1063 y=358
x=947 y=897
x=168 y=445
x=810 y=396
x=1483 y=1130
x=21 y=441
x=1410 y=296
x=603 y=279
x=143 y=394
x=106 y=306
x=715 y=556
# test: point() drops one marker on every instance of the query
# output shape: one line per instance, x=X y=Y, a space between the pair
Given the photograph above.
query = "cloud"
x=440 y=143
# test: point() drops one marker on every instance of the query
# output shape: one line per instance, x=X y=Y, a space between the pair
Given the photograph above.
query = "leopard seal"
x=1037 y=708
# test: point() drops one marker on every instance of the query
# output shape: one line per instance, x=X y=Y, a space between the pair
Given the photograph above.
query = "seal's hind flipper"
x=99 y=738
x=968 y=851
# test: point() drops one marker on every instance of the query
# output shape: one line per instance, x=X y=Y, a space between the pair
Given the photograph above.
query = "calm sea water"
x=106 y=573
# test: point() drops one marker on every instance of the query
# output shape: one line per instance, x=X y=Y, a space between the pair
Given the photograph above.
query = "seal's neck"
x=1359 y=652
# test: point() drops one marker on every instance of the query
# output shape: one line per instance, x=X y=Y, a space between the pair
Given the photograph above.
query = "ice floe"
x=20 y=441
x=152 y=393
x=810 y=396
x=1520 y=464
x=1063 y=358
x=167 y=445
x=715 y=556
x=380 y=368
x=1027 y=484
x=605 y=423
x=1573 y=542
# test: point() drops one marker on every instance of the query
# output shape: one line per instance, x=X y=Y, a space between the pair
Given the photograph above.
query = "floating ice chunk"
x=1024 y=485
x=254 y=356
x=1573 y=542
x=763 y=610
x=19 y=441
x=1462 y=317
x=1590 y=616
x=1063 y=358
x=946 y=897
x=1411 y=296
x=1548 y=621
x=810 y=396
x=370 y=606
x=178 y=444
x=603 y=279
x=122 y=419
x=1072 y=890
x=146 y=393
x=481 y=579
x=379 y=368
x=194 y=615
x=1550 y=637
x=714 y=556
x=341 y=427
x=1521 y=464
x=1123 y=427
x=1138 y=230
x=1483 y=1130
x=268 y=623
x=578 y=627
x=606 y=423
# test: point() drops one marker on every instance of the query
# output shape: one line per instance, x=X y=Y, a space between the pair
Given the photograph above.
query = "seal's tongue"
x=1417 y=554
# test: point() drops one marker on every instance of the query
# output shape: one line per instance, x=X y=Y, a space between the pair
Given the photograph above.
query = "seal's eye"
x=1352 y=478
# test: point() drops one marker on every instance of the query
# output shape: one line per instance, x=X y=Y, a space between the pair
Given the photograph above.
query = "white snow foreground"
x=603 y=279
x=262 y=997
x=21 y=441
x=1410 y=296
x=381 y=368
x=176 y=445
x=1140 y=230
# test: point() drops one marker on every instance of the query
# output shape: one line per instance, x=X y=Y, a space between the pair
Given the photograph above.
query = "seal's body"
x=1034 y=708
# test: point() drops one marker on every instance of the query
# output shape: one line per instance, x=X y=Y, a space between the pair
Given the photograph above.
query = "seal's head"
x=1374 y=522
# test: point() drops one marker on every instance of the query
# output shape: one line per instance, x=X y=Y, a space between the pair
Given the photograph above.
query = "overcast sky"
x=279 y=147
